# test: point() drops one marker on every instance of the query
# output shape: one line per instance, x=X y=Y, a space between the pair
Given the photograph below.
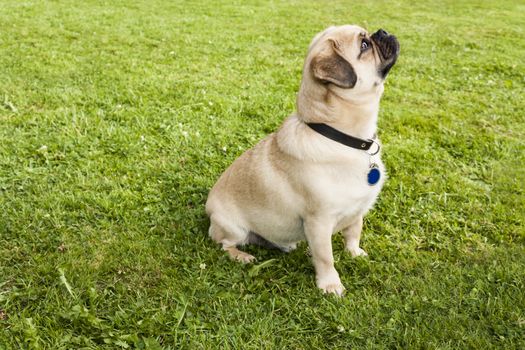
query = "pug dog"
x=321 y=171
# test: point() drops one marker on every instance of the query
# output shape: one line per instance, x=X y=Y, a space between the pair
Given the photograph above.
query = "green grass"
x=116 y=118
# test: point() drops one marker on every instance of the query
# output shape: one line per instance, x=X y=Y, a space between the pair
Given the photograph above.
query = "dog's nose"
x=382 y=32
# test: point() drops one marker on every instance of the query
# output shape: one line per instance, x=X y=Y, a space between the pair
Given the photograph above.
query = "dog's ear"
x=333 y=68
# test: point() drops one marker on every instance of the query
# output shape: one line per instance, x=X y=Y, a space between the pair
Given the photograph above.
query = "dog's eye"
x=365 y=44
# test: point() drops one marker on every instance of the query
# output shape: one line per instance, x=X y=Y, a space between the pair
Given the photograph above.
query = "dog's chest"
x=343 y=190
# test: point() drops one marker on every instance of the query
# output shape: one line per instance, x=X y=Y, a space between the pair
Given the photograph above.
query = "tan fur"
x=296 y=184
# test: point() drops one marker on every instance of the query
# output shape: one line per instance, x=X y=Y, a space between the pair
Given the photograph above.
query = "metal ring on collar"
x=377 y=150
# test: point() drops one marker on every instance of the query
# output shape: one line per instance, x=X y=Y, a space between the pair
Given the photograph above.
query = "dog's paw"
x=245 y=258
x=331 y=285
x=357 y=252
x=239 y=255
x=336 y=289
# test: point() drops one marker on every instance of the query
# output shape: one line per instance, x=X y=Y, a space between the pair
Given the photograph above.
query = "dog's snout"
x=381 y=33
x=388 y=48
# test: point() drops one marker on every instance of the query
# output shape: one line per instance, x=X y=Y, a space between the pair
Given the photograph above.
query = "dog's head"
x=350 y=62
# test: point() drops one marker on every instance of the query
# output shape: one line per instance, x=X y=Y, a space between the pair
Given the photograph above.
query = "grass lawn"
x=117 y=117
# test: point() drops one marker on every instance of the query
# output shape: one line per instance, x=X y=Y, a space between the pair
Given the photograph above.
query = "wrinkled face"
x=350 y=62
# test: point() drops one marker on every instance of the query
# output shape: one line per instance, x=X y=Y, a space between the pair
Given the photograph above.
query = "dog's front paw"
x=357 y=252
x=331 y=285
x=336 y=289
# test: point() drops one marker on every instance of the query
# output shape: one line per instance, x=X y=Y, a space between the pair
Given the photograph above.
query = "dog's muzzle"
x=388 y=48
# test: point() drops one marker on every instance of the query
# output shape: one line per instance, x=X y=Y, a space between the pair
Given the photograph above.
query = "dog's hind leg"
x=230 y=239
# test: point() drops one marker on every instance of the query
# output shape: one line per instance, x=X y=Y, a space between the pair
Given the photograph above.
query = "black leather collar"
x=347 y=140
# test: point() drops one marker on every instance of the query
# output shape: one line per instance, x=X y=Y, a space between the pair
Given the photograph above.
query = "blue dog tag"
x=373 y=175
